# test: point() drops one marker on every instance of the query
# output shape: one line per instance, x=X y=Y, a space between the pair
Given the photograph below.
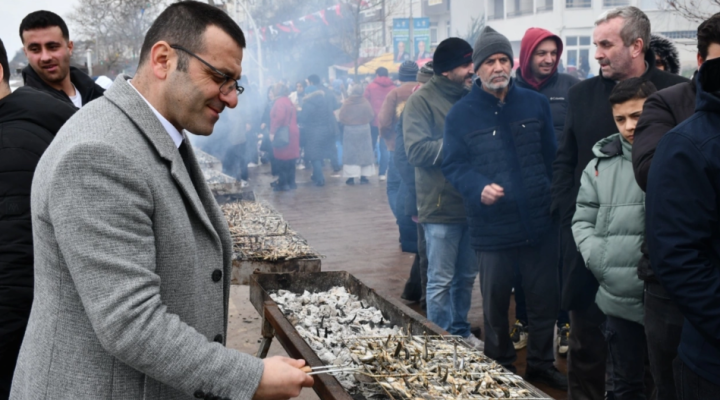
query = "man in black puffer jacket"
x=47 y=44
x=499 y=148
x=540 y=53
x=29 y=120
x=622 y=36
x=663 y=111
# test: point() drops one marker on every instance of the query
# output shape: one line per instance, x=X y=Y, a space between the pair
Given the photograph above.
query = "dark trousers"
x=538 y=264
x=586 y=355
x=563 y=316
x=422 y=254
x=317 y=174
x=413 y=286
x=286 y=173
x=692 y=387
x=393 y=186
x=627 y=351
x=234 y=162
x=663 y=326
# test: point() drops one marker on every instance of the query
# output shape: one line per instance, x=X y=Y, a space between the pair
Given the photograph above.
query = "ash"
x=325 y=319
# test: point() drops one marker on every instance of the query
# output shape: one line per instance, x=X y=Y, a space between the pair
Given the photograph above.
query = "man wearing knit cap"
x=540 y=53
x=387 y=122
x=452 y=265
x=499 y=149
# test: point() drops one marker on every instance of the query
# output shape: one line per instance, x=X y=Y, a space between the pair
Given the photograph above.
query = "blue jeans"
x=385 y=159
x=452 y=267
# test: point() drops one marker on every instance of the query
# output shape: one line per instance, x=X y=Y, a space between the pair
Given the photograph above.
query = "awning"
x=369 y=67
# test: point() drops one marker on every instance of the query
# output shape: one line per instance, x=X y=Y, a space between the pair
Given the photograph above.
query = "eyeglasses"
x=229 y=84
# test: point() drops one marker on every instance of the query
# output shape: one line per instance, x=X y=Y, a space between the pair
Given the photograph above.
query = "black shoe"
x=319 y=183
x=274 y=183
x=551 y=377
x=293 y=186
x=282 y=188
x=350 y=181
x=364 y=180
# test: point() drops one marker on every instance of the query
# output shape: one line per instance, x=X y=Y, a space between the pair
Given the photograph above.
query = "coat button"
x=199 y=394
x=218 y=338
x=216 y=275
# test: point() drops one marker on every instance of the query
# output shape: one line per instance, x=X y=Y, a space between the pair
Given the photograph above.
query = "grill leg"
x=268 y=333
x=264 y=347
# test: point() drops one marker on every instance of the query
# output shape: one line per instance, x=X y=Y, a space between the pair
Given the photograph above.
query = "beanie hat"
x=425 y=73
x=408 y=71
x=450 y=54
x=488 y=43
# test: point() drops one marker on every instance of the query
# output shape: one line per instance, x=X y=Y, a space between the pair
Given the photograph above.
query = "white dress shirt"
x=171 y=130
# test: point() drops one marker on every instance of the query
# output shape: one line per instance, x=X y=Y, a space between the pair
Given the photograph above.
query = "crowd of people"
x=595 y=201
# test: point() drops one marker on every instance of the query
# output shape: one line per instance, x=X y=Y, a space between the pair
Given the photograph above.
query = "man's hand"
x=282 y=379
x=491 y=194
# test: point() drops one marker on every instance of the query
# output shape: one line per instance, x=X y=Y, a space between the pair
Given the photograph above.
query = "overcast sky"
x=13 y=11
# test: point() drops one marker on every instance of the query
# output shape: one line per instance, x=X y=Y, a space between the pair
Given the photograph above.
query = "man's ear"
x=700 y=60
x=163 y=59
x=71 y=46
x=637 y=48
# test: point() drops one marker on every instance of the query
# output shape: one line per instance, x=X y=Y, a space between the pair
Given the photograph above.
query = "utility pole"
x=411 y=33
x=257 y=38
x=88 y=55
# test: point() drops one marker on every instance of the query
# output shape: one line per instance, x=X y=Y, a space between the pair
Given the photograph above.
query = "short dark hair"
x=314 y=80
x=631 y=89
x=708 y=32
x=4 y=63
x=43 y=19
x=382 y=71
x=184 y=24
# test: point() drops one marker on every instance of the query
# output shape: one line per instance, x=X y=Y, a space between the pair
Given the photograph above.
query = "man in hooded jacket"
x=375 y=93
x=540 y=53
x=29 y=120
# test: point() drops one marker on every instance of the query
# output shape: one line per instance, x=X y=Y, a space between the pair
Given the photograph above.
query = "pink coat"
x=376 y=92
x=282 y=114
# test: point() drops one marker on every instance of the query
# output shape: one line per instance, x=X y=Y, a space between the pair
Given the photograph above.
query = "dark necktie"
x=186 y=160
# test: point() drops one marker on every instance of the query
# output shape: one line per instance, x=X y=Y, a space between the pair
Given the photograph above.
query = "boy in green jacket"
x=609 y=227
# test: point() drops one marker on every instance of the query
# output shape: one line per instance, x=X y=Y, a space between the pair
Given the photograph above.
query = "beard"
x=500 y=85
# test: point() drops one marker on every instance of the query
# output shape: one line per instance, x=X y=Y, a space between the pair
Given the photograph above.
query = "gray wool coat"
x=132 y=267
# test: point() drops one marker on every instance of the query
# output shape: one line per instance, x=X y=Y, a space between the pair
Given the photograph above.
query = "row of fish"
x=345 y=331
x=260 y=233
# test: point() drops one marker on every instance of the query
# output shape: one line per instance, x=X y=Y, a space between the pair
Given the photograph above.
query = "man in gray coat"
x=132 y=253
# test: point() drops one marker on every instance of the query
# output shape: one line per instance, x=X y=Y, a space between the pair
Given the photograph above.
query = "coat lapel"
x=132 y=104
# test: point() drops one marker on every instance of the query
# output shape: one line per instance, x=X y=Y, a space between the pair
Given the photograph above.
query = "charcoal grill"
x=276 y=325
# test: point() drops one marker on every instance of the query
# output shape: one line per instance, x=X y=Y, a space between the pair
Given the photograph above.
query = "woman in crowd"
x=283 y=124
x=358 y=158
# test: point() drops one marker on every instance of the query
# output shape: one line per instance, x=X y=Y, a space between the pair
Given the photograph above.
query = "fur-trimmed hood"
x=666 y=50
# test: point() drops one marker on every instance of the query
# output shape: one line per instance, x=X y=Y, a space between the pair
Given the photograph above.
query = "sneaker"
x=336 y=174
x=562 y=340
x=474 y=342
x=244 y=183
x=551 y=377
x=364 y=180
x=383 y=178
x=274 y=183
x=300 y=166
x=350 y=181
x=519 y=335
x=252 y=165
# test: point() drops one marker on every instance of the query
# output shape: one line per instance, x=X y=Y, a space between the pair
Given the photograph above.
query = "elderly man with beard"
x=47 y=45
x=622 y=37
x=452 y=266
x=499 y=148
x=132 y=253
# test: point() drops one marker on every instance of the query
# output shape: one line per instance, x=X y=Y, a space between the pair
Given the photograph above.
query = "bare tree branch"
x=694 y=10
